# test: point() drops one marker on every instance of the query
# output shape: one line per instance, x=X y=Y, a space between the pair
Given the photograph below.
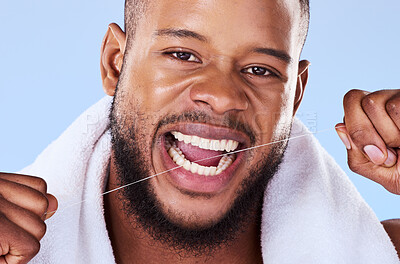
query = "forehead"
x=270 y=22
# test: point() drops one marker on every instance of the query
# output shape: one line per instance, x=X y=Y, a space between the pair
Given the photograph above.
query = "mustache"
x=204 y=118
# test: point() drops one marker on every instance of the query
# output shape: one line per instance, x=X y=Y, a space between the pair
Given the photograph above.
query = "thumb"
x=53 y=205
x=354 y=154
x=386 y=174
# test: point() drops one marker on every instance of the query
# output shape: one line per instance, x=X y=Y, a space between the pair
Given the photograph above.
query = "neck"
x=132 y=244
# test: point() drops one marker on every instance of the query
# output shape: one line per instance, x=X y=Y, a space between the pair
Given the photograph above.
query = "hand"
x=372 y=136
x=24 y=204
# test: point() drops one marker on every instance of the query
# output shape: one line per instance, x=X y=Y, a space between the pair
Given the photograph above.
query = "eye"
x=256 y=70
x=184 y=56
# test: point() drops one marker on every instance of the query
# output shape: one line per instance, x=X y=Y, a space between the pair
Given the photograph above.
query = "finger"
x=361 y=158
x=31 y=181
x=374 y=105
x=343 y=135
x=361 y=130
x=388 y=176
x=24 y=196
x=392 y=158
x=393 y=107
x=53 y=206
x=396 y=180
x=25 y=219
x=17 y=245
x=355 y=155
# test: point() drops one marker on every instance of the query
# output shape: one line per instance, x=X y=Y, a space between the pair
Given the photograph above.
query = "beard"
x=142 y=206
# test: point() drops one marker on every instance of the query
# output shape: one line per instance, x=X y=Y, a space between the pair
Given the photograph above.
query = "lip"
x=186 y=181
x=209 y=132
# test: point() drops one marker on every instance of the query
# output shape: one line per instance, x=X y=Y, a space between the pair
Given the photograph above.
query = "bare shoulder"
x=392 y=227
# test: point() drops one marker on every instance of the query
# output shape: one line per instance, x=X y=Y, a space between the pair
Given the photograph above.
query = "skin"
x=24 y=204
x=163 y=85
x=373 y=119
x=156 y=84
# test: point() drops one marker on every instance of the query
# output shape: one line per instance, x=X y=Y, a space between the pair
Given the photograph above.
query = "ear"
x=302 y=80
x=111 y=59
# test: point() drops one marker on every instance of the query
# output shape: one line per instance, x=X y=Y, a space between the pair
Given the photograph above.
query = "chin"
x=191 y=208
x=193 y=211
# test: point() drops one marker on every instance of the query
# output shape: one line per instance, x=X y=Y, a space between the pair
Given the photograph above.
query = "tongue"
x=194 y=153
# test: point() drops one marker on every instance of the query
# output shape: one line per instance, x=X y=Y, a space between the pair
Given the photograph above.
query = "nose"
x=220 y=92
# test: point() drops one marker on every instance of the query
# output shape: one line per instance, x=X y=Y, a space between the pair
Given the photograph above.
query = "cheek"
x=133 y=122
x=156 y=87
x=273 y=115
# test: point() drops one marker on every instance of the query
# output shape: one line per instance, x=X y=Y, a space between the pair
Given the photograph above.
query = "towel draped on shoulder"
x=312 y=213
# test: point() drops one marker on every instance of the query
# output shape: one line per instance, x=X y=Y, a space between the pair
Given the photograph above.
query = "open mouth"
x=202 y=156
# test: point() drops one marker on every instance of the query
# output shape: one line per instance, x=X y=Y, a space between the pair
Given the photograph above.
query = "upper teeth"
x=204 y=143
x=179 y=158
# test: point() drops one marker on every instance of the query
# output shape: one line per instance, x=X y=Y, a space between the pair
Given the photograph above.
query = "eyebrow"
x=180 y=33
x=279 y=54
x=184 y=33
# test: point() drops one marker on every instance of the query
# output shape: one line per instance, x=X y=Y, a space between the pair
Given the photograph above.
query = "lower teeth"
x=176 y=154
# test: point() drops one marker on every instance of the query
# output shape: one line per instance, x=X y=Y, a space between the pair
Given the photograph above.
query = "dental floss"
x=175 y=168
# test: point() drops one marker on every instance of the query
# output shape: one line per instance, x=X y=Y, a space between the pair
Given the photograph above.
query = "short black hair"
x=135 y=9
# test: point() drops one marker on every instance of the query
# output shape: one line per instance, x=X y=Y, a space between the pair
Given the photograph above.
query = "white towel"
x=311 y=214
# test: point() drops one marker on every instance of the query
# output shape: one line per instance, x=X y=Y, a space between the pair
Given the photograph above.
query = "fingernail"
x=374 y=154
x=391 y=160
x=344 y=139
x=49 y=214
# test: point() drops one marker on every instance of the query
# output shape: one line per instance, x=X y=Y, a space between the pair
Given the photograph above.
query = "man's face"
x=201 y=79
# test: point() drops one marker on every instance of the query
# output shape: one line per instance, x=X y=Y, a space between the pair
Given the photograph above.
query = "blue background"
x=49 y=71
